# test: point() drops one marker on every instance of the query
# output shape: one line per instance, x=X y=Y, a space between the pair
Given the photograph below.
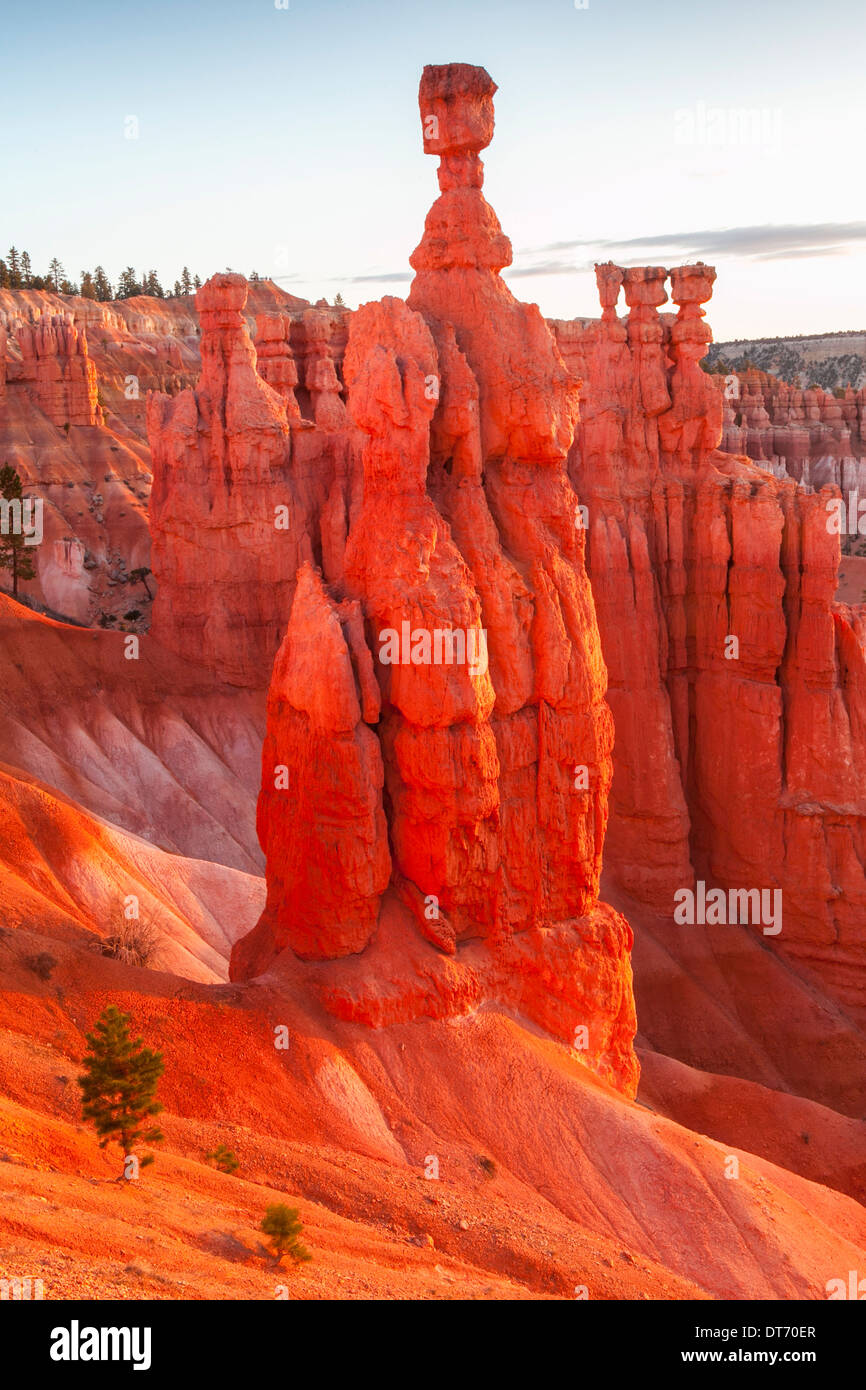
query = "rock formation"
x=274 y=361
x=440 y=505
x=320 y=374
x=437 y=763
x=737 y=685
x=241 y=479
x=811 y=435
x=94 y=480
x=56 y=365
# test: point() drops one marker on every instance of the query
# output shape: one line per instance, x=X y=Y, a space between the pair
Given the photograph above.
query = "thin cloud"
x=558 y=246
x=788 y=240
x=391 y=277
x=546 y=268
x=802 y=255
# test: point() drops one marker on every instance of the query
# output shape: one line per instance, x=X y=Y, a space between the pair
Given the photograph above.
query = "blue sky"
x=288 y=141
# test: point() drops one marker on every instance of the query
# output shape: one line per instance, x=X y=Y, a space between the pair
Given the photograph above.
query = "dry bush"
x=136 y=942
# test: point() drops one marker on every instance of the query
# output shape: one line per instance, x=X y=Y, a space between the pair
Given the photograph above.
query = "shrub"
x=41 y=965
x=283 y=1225
x=224 y=1159
x=136 y=942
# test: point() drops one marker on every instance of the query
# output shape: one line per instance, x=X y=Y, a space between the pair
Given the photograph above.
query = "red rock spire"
x=456 y=102
x=441 y=841
x=456 y=105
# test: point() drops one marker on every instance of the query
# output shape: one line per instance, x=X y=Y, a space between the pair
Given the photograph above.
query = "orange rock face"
x=438 y=755
x=811 y=435
x=241 y=479
x=78 y=439
x=55 y=360
x=320 y=815
x=737 y=685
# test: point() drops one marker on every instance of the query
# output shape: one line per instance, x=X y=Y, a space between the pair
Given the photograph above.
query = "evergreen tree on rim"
x=128 y=285
x=102 y=283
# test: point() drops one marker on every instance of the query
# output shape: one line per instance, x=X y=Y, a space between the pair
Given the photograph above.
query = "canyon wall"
x=737 y=685
x=812 y=435
x=246 y=487
x=59 y=370
x=74 y=376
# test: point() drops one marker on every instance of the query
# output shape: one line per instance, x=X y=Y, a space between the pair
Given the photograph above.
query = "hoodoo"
x=241 y=483
x=463 y=803
x=738 y=685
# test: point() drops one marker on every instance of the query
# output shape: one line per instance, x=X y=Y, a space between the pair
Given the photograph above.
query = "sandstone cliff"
x=74 y=376
x=809 y=435
x=738 y=686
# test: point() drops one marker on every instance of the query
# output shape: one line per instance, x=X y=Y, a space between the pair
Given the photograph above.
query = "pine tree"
x=127 y=286
x=139 y=576
x=14 y=552
x=119 y=1084
x=152 y=286
x=88 y=289
x=26 y=269
x=197 y=283
x=339 y=301
x=224 y=1158
x=56 y=273
x=284 y=1227
x=5 y=282
x=68 y=287
x=101 y=283
x=14 y=268
x=186 y=280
